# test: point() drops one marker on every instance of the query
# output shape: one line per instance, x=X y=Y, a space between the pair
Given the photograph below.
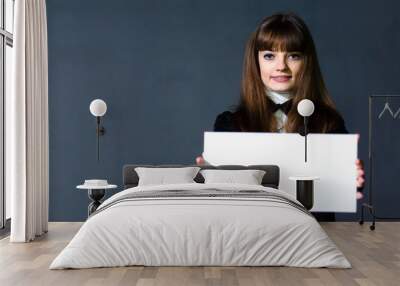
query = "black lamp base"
x=305 y=193
x=95 y=195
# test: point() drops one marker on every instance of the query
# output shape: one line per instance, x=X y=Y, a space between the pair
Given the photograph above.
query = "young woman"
x=280 y=69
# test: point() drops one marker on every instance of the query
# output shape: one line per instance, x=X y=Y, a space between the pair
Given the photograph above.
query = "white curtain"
x=27 y=151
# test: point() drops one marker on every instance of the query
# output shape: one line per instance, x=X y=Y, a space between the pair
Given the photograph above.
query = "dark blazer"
x=226 y=122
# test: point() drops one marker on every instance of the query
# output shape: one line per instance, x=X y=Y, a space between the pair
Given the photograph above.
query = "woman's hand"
x=200 y=160
x=360 y=174
x=360 y=177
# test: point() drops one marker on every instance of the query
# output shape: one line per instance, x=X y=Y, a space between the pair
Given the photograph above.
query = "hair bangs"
x=280 y=37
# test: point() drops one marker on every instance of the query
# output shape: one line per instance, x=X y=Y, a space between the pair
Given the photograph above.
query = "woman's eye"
x=295 y=57
x=268 y=56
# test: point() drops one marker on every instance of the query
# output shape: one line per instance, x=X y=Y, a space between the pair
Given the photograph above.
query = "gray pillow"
x=248 y=177
x=164 y=176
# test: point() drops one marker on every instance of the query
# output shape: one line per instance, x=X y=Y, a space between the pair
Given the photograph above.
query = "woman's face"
x=279 y=70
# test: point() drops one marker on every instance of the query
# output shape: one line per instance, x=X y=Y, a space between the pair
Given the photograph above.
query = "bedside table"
x=305 y=190
x=96 y=190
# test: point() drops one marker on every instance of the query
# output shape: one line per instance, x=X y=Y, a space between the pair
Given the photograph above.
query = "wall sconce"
x=305 y=108
x=98 y=108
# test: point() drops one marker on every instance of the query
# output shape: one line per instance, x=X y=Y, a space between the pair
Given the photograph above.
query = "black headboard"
x=130 y=178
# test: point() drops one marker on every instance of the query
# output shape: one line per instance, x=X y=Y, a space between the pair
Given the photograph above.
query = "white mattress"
x=200 y=231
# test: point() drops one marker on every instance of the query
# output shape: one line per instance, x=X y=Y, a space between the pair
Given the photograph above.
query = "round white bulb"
x=98 y=107
x=305 y=107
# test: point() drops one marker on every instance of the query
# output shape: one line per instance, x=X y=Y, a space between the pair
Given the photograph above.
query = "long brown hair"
x=284 y=32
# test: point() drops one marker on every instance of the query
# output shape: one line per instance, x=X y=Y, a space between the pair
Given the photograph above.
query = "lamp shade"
x=305 y=107
x=98 y=107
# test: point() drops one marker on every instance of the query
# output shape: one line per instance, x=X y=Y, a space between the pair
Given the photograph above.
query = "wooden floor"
x=375 y=257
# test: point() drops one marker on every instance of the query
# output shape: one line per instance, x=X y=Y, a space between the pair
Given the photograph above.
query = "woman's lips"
x=281 y=78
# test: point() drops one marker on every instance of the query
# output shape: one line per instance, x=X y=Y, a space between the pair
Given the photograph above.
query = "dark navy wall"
x=167 y=68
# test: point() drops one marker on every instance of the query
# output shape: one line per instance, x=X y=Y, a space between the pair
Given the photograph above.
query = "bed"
x=201 y=224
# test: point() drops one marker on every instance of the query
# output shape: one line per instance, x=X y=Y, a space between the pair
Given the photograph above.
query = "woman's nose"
x=281 y=64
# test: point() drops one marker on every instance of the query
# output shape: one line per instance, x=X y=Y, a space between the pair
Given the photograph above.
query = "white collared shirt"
x=279 y=98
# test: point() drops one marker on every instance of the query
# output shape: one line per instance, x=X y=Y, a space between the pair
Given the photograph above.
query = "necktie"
x=285 y=107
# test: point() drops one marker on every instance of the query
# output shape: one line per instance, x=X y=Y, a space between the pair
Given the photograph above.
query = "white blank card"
x=331 y=157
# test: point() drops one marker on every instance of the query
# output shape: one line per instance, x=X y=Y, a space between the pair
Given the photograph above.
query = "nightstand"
x=96 y=191
x=305 y=190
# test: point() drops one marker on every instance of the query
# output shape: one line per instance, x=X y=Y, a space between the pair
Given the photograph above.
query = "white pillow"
x=248 y=177
x=163 y=176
